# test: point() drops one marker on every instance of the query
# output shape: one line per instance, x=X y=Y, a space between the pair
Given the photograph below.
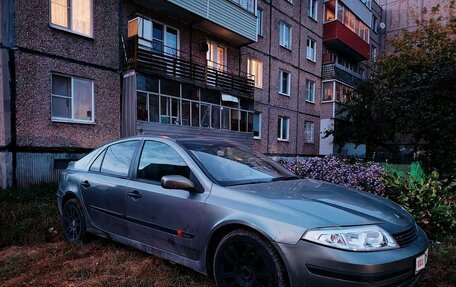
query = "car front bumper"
x=310 y=264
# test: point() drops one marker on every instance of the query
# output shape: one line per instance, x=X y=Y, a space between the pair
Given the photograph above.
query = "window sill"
x=283 y=140
x=70 y=121
x=286 y=48
x=312 y=61
x=313 y=19
x=257 y=138
x=70 y=31
x=259 y=88
x=310 y=102
x=285 y=95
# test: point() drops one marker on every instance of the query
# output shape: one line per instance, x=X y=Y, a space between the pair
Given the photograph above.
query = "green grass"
x=26 y=214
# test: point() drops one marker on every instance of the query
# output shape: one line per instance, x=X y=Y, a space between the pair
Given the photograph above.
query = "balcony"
x=146 y=57
x=338 y=37
x=221 y=18
x=333 y=71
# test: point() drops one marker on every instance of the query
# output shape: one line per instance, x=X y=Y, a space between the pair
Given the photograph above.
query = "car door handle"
x=85 y=184
x=134 y=194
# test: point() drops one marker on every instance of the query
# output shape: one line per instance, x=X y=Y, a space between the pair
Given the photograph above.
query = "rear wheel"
x=73 y=224
x=243 y=258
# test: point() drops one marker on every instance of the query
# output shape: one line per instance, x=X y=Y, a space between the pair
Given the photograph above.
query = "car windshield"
x=230 y=164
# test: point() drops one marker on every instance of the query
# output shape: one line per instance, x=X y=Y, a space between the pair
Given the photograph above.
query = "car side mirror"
x=177 y=182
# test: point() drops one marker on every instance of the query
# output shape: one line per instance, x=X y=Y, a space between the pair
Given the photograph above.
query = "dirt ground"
x=97 y=263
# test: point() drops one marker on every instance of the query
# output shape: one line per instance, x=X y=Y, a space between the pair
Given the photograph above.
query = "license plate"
x=421 y=261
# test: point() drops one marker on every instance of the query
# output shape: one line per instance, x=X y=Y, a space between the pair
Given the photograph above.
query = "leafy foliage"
x=431 y=201
x=411 y=100
x=352 y=173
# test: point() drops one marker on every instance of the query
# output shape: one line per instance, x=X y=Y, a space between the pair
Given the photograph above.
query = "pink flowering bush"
x=367 y=176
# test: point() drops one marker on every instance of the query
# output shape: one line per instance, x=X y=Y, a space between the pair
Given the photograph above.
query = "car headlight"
x=359 y=238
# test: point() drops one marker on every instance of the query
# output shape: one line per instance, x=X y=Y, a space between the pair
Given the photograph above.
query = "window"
x=260 y=22
x=216 y=56
x=159 y=159
x=73 y=15
x=313 y=9
x=248 y=5
x=255 y=69
x=328 y=91
x=290 y=1
x=159 y=38
x=284 y=83
x=257 y=125
x=362 y=73
x=283 y=127
x=311 y=52
x=96 y=165
x=374 y=23
x=72 y=99
x=118 y=158
x=285 y=35
x=373 y=53
x=309 y=132
x=310 y=91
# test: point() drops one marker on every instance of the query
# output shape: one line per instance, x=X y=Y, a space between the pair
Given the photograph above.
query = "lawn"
x=29 y=256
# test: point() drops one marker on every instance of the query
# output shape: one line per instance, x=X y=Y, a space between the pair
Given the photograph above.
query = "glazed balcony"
x=334 y=71
x=339 y=37
x=222 y=18
x=148 y=57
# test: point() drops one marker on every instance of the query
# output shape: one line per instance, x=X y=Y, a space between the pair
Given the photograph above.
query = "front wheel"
x=73 y=224
x=243 y=258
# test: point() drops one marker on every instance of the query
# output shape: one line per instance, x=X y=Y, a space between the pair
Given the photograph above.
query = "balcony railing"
x=147 y=57
x=334 y=71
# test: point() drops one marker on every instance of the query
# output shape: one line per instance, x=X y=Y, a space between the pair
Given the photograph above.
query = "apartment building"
x=353 y=35
x=60 y=85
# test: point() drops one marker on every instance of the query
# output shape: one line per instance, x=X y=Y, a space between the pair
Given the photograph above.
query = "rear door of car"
x=167 y=219
x=104 y=187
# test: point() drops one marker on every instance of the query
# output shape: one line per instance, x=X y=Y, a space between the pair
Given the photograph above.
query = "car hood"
x=335 y=205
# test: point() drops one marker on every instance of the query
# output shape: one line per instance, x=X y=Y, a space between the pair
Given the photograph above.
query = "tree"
x=411 y=99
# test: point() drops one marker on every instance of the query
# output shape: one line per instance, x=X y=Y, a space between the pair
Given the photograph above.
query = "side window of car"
x=96 y=165
x=118 y=158
x=159 y=159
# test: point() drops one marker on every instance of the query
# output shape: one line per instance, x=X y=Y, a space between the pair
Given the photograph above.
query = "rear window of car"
x=118 y=157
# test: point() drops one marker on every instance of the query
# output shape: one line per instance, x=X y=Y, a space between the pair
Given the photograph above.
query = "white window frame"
x=290 y=1
x=280 y=123
x=260 y=122
x=211 y=59
x=258 y=79
x=288 y=92
x=374 y=53
x=72 y=119
x=309 y=133
x=70 y=20
x=283 y=34
x=313 y=9
x=312 y=99
x=310 y=49
x=260 y=21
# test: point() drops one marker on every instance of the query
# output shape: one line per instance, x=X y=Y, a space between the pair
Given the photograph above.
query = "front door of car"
x=163 y=218
x=104 y=187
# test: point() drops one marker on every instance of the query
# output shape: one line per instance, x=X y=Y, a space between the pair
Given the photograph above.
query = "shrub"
x=432 y=201
x=352 y=173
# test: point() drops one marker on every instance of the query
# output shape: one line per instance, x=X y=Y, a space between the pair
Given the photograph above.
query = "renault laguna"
x=229 y=212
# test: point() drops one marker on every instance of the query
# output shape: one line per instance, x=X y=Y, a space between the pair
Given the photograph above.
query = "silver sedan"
x=227 y=211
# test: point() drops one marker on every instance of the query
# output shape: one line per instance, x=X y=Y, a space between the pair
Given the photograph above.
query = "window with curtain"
x=285 y=35
x=73 y=15
x=255 y=69
x=310 y=91
x=313 y=9
x=72 y=99
x=311 y=51
x=309 y=132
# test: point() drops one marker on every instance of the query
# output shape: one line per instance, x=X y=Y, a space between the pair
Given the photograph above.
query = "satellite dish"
x=382 y=25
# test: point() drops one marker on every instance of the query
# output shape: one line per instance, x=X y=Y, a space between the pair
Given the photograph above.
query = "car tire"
x=244 y=258
x=73 y=223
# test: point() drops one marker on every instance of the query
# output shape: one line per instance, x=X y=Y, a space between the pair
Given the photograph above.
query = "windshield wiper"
x=280 y=178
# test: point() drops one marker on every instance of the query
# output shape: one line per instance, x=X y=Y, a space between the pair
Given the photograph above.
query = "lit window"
x=285 y=36
x=310 y=91
x=311 y=50
x=283 y=128
x=255 y=70
x=73 y=15
x=328 y=91
x=72 y=99
x=284 y=83
x=309 y=132
x=313 y=9
x=257 y=125
x=260 y=22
